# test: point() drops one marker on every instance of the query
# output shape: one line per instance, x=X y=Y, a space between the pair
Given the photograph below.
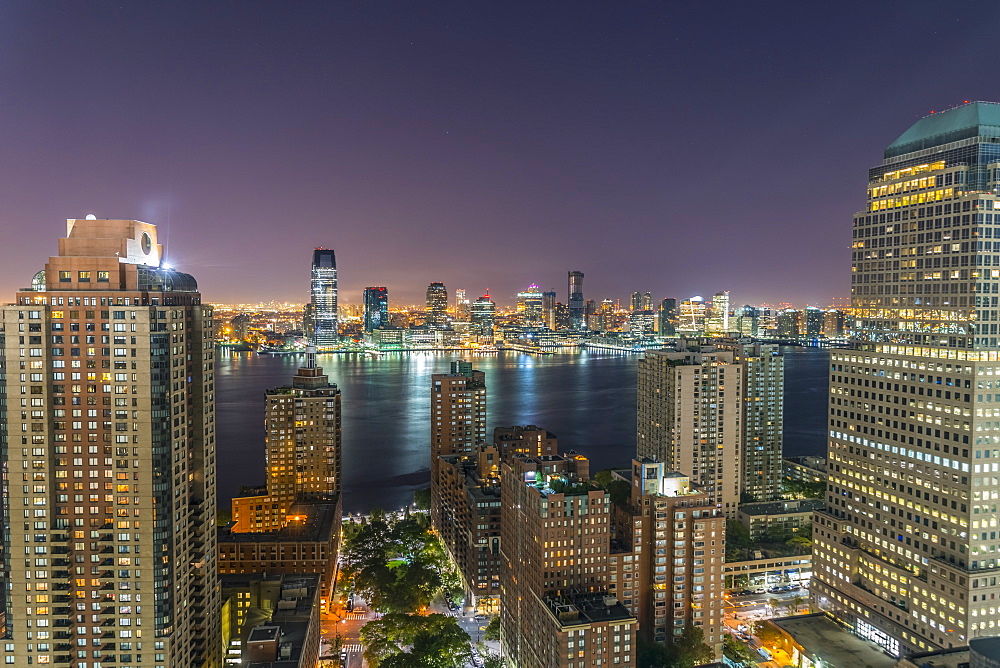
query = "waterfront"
x=587 y=399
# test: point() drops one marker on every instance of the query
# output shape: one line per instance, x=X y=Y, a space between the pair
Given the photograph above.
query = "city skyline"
x=370 y=130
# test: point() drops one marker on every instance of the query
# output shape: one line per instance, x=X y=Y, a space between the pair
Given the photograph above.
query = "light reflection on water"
x=587 y=399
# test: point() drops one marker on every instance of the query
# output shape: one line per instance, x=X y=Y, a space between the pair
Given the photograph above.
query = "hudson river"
x=587 y=399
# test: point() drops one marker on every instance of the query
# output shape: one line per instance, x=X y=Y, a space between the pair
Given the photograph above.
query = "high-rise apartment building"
x=577 y=307
x=812 y=322
x=302 y=435
x=907 y=550
x=109 y=454
x=669 y=562
x=555 y=540
x=323 y=290
x=437 y=306
x=376 y=308
x=746 y=321
x=689 y=416
x=647 y=301
x=763 y=419
x=458 y=420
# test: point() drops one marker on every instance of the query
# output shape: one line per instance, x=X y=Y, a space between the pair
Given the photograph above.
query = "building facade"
x=689 y=408
x=458 y=421
x=302 y=436
x=554 y=548
x=376 y=308
x=906 y=552
x=437 y=306
x=576 y=304
x=669 y=568
x=110 y=458
x=323 y=302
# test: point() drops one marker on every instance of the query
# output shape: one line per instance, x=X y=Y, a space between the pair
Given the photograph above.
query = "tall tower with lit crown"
x=907 y=550
x=109 y=449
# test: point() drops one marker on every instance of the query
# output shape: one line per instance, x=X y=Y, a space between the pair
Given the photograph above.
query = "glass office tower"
x=323 y=290
x=376 y=308
x=907 y=552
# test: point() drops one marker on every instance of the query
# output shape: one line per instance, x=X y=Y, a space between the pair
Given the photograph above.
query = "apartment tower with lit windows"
x=907 y=552
x=109 y=456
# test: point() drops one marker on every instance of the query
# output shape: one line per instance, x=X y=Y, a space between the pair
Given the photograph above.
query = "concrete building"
x=805 y=469
x=689 y=416
x=303 y=440
x=668 y=568
x=483 y=316
x=907 y=551
x=458 y=421
x=469 y=508
x=554 y=548
x=524 y=440
x=109 y=445
x=308 y=543
x=792 y=517
x=437 y=306
x=763 y=419
x=272 y=621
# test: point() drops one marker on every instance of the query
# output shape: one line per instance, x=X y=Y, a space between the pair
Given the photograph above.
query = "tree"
x=491 y=660
x=737 y=651
x=799 y=544
x=690 y=648
x=433 y=641
x=738 y=541
x=687 y=650
x=492 y=631
x=768 y=634
x=422 y=498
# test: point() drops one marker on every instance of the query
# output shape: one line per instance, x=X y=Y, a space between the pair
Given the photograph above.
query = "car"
x=746 y=592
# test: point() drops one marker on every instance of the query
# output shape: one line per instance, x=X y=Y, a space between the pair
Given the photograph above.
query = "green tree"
x=404 y=640
x=799 y=544
x=737 y=651
x=492 y=631
x=738 y=541
x=687 y=650
x=491 y=660
x=422 y=498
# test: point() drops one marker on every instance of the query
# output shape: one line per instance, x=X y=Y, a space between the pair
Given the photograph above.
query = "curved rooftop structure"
x=975 y=119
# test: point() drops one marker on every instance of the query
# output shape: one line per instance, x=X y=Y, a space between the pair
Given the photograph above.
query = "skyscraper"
x=483 y=315
x=636 y=301
x=529 y=306
x=376 y=308
x=461 y=306
x=577 y=307
x=549 y=315
x=688 y=417
x=647 y=301
x=323 y=290
x=667 y=317
x=907 y=550
x=302 y=436
x=718 y=321
x=458 y=419
x=110 y=457
x=437 y=306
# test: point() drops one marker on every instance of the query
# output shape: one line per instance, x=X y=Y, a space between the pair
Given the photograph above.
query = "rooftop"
x=821 y=638
x=318 y=524
x=782 y=507
x=588 y=608
x=974 y=119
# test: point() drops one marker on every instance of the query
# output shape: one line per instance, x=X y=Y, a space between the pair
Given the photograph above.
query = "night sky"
x=676 y=147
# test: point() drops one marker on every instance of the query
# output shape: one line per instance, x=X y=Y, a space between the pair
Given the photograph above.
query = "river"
x=587 y=399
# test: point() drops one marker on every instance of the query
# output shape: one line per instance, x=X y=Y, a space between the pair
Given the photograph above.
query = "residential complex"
x=302 y=437
x=109 y=536
x=554 y=549
x=667 y=564
x=906 y=551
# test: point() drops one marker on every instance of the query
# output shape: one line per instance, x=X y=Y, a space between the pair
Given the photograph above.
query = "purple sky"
x=676 y=147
